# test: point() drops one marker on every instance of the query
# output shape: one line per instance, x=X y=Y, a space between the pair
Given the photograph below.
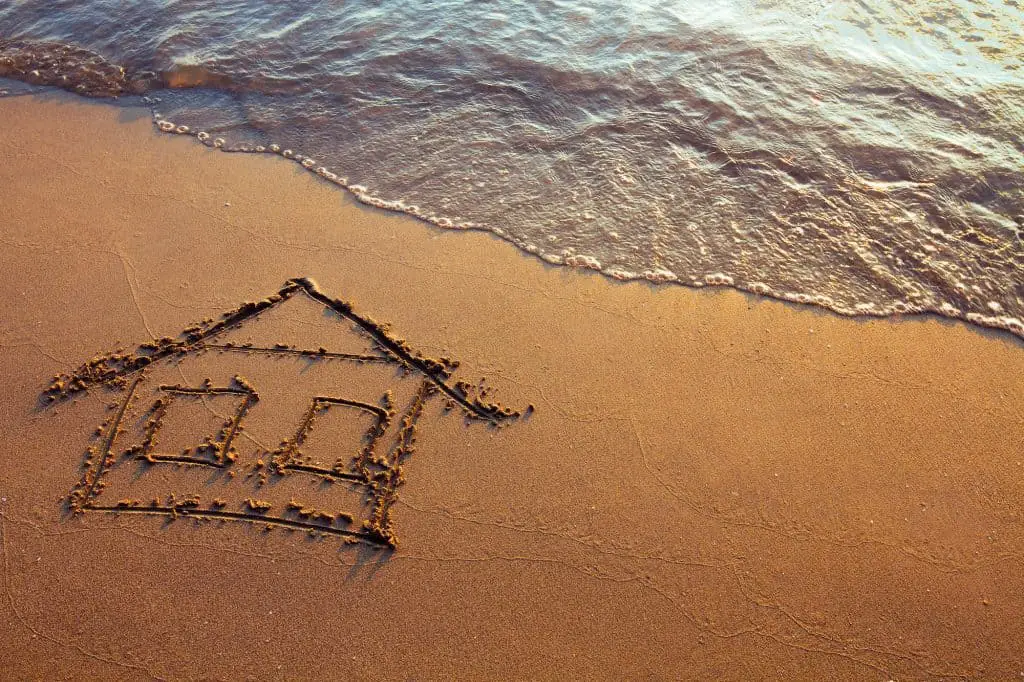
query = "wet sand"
x=711 y=485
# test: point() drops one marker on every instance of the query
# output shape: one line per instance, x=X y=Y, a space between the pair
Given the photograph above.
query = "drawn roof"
x=115 y=369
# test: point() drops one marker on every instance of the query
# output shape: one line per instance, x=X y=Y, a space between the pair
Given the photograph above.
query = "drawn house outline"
x=379 y=471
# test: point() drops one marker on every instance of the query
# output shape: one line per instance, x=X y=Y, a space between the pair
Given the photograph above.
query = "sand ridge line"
x=393 y=477
x=321 y=353
x=254 y=517
x=90 y=484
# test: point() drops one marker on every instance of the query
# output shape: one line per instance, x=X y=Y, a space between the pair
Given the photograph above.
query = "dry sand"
x=712 y=486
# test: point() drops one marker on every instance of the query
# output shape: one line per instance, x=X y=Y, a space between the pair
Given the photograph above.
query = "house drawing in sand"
x=293 y=412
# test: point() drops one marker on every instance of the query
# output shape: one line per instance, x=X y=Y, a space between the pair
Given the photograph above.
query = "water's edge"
x=84 y=73
x=363 y=195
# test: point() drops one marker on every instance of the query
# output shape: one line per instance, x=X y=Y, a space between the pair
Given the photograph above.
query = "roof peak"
x=112 y=369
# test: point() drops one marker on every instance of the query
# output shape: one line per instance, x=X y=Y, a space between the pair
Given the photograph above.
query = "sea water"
x=864 y=156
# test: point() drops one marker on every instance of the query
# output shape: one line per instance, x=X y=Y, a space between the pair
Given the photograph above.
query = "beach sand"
x=711 y=486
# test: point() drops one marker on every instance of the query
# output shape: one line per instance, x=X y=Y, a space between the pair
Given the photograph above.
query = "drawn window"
x=337 y=437
x=194 y=425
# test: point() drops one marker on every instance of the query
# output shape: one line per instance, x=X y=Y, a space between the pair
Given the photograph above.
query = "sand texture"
x=420 y=454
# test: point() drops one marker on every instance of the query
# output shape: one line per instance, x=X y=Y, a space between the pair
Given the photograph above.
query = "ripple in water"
x=867 y=159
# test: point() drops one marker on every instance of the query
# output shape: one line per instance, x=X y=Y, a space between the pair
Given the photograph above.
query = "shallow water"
x=867 y=158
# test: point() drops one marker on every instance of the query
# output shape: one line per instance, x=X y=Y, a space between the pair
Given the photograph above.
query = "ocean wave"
x=869 y=162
